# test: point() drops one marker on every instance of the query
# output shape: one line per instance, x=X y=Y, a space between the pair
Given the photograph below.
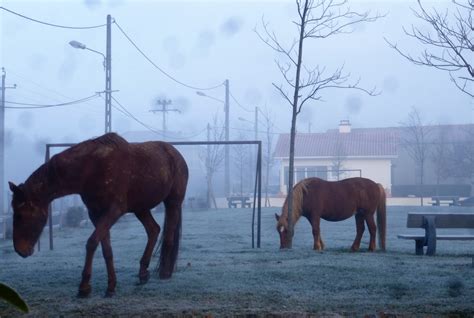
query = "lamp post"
x=254 y=123
x=108 y=72
x=226 y=149
x=2 y=144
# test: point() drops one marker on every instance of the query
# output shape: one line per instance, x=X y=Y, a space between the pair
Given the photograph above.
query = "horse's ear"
x=13 y=187
x=277 y=217
x=17 y=191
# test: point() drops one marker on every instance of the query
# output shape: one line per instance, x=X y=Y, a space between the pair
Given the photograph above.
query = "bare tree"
x=441 y=156
x=268 y=146
x=243 y=160
x=415 y=141
x=317 y=19
x=213 y=156
x=337 y=163
x=449 y=43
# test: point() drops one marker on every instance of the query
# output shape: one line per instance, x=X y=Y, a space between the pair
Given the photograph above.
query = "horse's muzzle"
x=25 y=252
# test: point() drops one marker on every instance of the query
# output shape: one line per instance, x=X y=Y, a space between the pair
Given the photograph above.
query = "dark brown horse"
x=113 y=177
x=315 y=198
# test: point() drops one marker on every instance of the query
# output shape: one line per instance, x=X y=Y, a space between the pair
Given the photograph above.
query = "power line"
x=44 y=89
x=238 y=104
x=124 y=111
x=39 y=106
x=160 y=69
x=51 y=24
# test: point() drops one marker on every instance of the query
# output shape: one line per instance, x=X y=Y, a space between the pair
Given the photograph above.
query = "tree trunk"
x=291 y=230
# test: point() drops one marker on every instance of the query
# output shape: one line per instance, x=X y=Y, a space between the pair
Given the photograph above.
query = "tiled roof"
x=367 y=142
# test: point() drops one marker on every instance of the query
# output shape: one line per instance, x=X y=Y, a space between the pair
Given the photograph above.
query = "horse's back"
x=158 y=172
x=338 y=200
x=158 y=157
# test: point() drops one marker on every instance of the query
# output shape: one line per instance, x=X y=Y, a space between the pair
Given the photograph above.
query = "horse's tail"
x=382 y=217
x=169 y=247
x=299 y=191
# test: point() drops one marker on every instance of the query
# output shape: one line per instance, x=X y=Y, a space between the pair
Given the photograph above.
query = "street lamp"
x=79 y=45
x=108 y=72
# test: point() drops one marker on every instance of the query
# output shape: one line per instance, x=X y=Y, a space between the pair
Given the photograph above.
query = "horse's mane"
x=110 y=139
x=298 y=192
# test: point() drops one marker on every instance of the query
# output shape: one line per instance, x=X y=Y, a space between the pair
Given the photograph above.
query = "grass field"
x=220 y=274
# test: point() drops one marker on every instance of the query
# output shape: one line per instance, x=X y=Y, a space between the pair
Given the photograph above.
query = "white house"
x=340 y=153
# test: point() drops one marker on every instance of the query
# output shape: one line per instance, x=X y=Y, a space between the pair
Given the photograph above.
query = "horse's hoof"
x=109 y=294
x=144 y=278
x=84 y=293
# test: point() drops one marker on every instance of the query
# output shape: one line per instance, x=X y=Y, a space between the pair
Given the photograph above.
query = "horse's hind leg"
x=171 y=237
x=372 y=230
x=360 y=228
x=153 y=231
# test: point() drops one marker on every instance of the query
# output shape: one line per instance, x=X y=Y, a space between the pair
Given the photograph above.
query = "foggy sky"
x=201 y=43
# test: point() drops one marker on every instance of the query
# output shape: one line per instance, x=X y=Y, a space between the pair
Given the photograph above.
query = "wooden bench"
x=445 y=200
x=432 y=221
x=234 y=201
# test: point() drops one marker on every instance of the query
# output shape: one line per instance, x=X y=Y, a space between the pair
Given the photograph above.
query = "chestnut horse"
x=112 y=177
x=315 y=198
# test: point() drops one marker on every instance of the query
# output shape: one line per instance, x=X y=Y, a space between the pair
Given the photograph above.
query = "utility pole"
x=2 y=142
x=226 y=159
x=108 y=78
x=164 y=103
x=208 y=166
x=256 y=123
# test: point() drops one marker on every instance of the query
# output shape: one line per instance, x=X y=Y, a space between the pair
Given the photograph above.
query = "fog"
x=200 y=44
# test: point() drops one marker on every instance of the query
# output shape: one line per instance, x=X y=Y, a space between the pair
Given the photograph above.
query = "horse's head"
x=282 y=229
x=29 y=219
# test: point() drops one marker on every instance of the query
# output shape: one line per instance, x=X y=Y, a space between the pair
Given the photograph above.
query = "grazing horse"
x=315 y=198
x=112 y=177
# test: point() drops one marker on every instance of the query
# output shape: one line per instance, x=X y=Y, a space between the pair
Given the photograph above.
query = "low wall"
x=402 y=201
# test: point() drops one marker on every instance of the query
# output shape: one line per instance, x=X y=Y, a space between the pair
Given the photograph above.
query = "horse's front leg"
x=318 y=242
x=360 y=227
x=99 y=234
x=153 y=231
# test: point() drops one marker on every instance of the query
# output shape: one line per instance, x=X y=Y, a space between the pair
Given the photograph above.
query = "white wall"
x=378 y=170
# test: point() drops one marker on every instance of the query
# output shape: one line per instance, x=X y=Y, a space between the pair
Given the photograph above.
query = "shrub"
x=74 y=216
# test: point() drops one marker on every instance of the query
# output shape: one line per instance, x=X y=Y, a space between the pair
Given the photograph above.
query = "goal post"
x=257 y=193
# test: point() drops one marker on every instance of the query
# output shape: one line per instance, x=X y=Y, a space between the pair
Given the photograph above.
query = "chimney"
x=344 y=126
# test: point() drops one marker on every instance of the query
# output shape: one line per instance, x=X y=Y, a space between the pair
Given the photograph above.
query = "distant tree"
x=317 y=20
x=448 y=41
x=441 y=156
x=415 y=141
x=242 y=161
x=213 y=157
x=337 y=162
x=267 y=156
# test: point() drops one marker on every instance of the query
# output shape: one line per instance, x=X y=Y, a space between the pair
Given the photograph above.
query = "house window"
x=306 y=172
x=317 y=171
x=300 y=174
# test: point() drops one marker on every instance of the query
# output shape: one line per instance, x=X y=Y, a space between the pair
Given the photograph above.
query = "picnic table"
x=450 y=200
x=235 y=201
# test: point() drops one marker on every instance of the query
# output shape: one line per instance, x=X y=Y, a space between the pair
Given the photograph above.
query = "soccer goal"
x=205 y=151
